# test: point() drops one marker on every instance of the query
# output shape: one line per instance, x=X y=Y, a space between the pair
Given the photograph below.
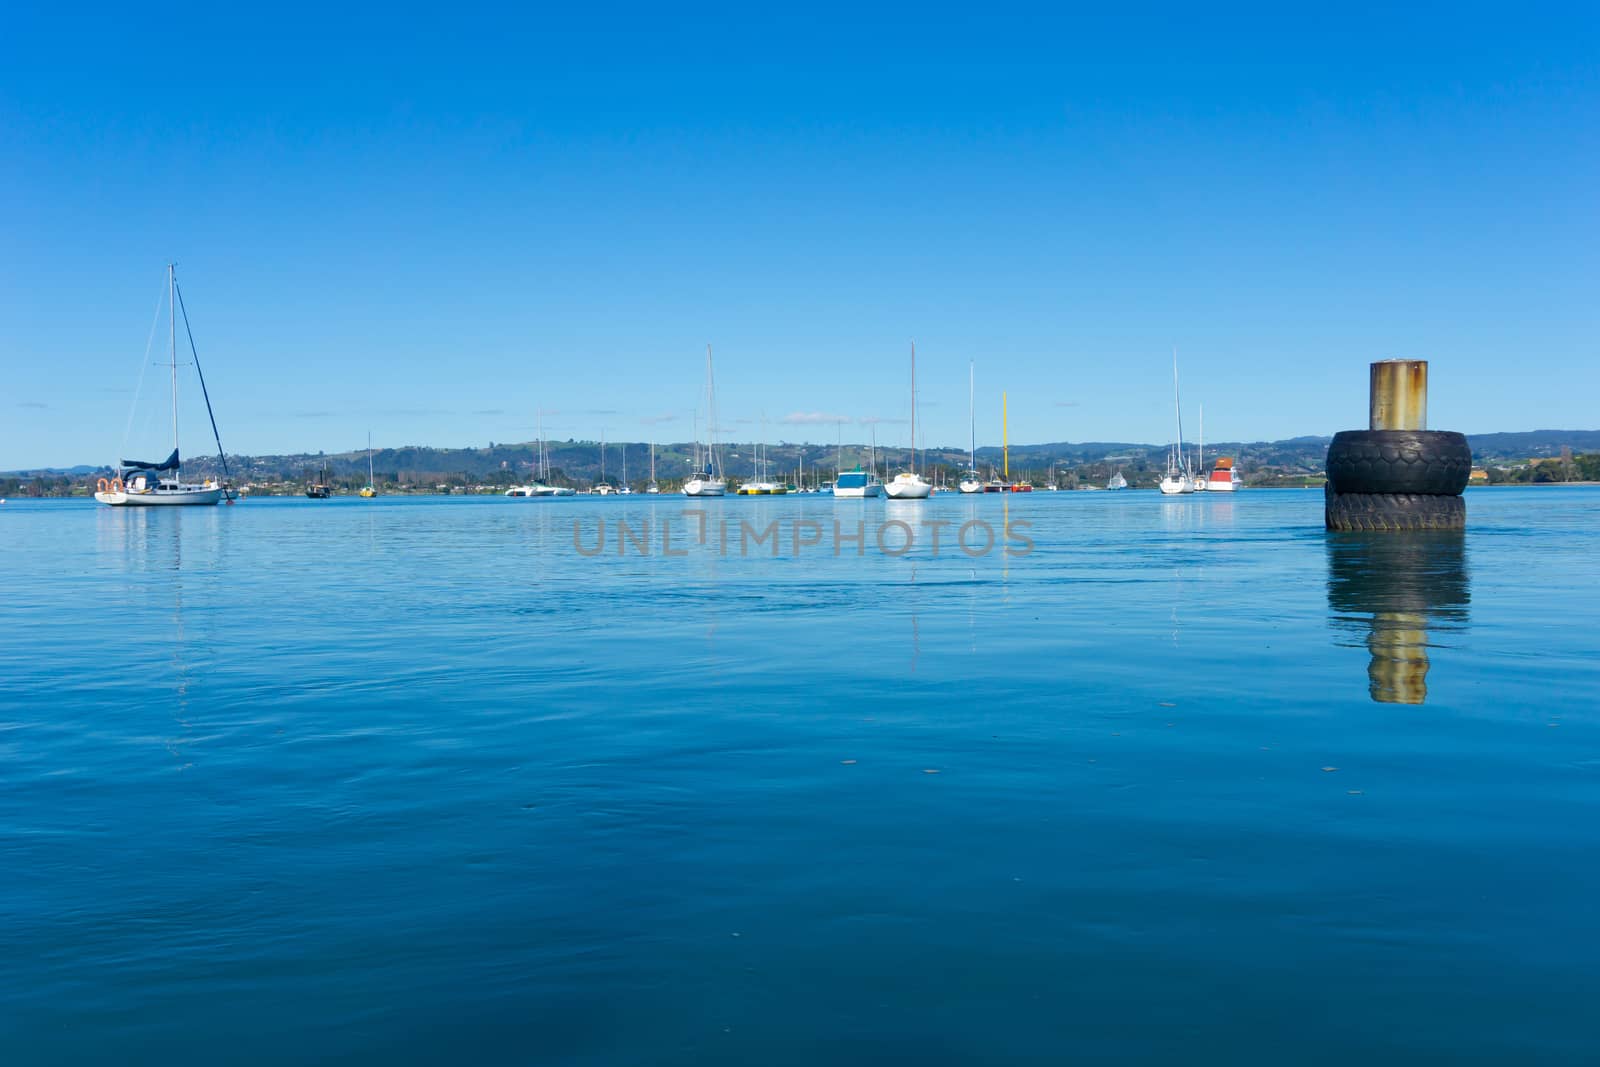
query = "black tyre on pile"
x=1393 y=511
x=1424 y=462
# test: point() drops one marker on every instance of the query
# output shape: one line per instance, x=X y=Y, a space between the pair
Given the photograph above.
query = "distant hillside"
x=1493 y=446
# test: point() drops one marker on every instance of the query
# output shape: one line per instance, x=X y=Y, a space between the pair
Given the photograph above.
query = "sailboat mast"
x=712 y=460
x=1177 y=408
x=913 y=407
x=1005 y=440
x=172 y=345
x=972 y=417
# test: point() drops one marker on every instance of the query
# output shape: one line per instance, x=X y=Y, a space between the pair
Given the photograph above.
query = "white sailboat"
x=1199 y=473
x=602 y=487
x=708 y=481
x=142 y=484
x=1117 y=481
x=908 y=484
x=1178 y=479
x=971 y=480
x=541 y=476
x=653 y=489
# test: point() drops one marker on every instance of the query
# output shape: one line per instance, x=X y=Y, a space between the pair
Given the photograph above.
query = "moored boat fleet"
x=139 y=483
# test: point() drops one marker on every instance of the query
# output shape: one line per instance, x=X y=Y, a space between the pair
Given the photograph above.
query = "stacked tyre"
x=1397 y=480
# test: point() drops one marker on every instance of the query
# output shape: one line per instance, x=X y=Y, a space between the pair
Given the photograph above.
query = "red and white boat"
x=1224 y=479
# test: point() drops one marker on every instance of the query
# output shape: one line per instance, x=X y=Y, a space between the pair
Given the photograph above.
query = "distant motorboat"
x=141 y=484
x=1224 y=477
x=1117 y=481
x=320 y=490
x=857 y=484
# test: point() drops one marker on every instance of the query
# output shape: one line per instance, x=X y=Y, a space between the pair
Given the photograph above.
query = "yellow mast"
x=1005 y=440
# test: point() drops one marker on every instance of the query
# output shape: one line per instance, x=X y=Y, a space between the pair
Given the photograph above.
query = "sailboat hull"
x=167 y=499
x=705 y=487
x=907 y=487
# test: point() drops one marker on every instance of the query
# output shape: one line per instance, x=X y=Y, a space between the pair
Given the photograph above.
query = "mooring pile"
x=1397 y=474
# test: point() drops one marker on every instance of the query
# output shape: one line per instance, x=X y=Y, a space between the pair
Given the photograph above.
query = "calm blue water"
x=413 y=780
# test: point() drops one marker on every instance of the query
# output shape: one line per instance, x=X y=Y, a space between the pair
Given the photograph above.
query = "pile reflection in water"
x=1397 y=586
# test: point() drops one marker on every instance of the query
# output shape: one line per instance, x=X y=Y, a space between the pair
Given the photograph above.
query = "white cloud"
x=812 y=418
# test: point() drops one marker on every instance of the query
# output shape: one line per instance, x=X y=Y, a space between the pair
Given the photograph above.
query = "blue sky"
x=428 y=222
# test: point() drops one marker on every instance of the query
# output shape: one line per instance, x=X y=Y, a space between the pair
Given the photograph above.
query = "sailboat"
x=761 y=484
x=970 y=482
x=1177 y=480
x=708 y=481
x=540 y=485
x=908 y=484
x=139 y=483
x=370 y=489
x=626 y=490
x=1002 y=485
x=653 y=489
x=1199 y=478
x=603 y=487
x=1117 y=481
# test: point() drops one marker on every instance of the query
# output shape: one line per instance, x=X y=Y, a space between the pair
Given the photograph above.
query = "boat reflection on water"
x=1397 y=587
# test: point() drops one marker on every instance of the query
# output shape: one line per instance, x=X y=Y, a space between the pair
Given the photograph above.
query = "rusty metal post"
x=1399 y=396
